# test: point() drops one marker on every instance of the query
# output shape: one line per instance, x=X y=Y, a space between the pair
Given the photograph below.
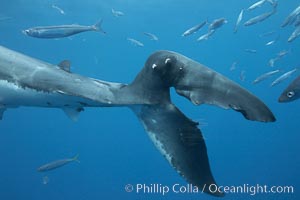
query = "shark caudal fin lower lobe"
x=180 y=141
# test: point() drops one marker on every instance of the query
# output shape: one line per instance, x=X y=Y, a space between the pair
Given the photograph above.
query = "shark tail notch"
x=75 y=158
x=98 y=26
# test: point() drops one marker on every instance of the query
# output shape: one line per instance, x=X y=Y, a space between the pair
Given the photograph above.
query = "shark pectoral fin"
x=65 y=65
x=180 y=141
x=2 y=109
x=73 y=113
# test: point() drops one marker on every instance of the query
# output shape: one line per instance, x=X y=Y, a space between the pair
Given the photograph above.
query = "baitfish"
x=217 y=23
x=295 y=34
x=265 y=76
x=261 y=17
x=151 y=36
x=135 y=42
x=292 y=17
x=238 y=21
x=49 y=32
x=194 y=29
x=61 y=11
x=257 y=4
x=205 y=36
x=56 y=164
x=258 y=18
x=283 y=77
x=250 y=50
x=117 y=13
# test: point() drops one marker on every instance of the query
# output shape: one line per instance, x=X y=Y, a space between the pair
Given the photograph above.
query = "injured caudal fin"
x=177 y=137
x=196 y=82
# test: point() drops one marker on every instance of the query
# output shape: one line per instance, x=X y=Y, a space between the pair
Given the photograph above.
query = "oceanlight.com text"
x=250 y=189
x=212 y=188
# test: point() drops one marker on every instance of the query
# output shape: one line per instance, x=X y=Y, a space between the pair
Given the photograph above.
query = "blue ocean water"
x=113 y=146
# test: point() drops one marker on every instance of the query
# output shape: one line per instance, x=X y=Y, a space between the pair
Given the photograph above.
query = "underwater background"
x=114 y=150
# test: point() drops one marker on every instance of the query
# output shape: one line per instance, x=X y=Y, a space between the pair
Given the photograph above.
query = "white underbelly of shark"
x=12 y=95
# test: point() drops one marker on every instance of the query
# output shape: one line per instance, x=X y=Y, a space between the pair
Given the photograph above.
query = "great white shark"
x=26 y=81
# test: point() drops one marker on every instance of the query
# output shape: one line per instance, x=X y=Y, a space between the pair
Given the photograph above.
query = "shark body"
x=25 y=81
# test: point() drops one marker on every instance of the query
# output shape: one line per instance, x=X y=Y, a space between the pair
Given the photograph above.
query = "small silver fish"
x=295 y=34
x=250 y=50
x=258 y=18
x=297 y=22
x=50 y=32
x=292 y=17
x=261 y=17
x=233 y=66
x=117 y=13
x=272 y=2
x=273 y=41
x=217 y=23
x=283 y=77
x=45 y=180
x=243 y=75
x=205 y=36
x=61 y=11
x=238 y=21
x=267 y=34
x=4 y=18
x=135 y=42
x=56 y=164
x=151 y=36
x=257 y=4
x=265 y=76
x=282 y=53
x=194 y=29
x=272 y=62
x=279 y=55
x=270 y=43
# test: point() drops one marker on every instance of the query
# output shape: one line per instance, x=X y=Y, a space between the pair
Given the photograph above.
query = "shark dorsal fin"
x=73 y=113
x=65 y=65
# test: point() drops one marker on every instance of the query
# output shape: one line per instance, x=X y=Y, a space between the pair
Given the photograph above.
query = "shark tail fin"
x=75 y=158
x=97 y=26
x=180 y=141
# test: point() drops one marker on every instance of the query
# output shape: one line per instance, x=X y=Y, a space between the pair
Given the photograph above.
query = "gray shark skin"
x=25 y=81
x=198 y=83
x=292 y=92
x=180 y=141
